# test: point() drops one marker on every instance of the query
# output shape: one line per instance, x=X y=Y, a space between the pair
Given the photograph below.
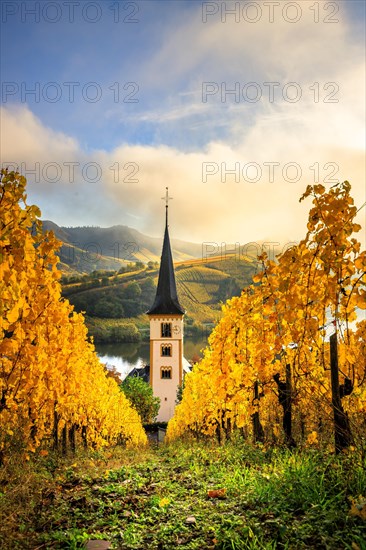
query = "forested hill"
x=86 y=249
x=111 y=275
x=126 y=295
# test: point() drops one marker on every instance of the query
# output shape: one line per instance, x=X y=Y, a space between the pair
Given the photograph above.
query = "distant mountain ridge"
x=86 y=249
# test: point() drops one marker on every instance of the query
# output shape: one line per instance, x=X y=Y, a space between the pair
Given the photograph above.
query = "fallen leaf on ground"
x=358 y=507
x=216 y=493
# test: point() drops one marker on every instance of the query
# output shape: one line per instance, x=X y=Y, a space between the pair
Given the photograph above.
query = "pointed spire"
x=166 y=299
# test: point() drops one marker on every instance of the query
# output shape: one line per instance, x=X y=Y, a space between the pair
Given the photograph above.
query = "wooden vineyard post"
x=342 y=430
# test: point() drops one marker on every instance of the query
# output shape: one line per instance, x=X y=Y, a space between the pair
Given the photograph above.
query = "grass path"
x=162 y=499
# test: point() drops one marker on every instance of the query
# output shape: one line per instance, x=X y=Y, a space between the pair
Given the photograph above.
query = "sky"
x=235 y=106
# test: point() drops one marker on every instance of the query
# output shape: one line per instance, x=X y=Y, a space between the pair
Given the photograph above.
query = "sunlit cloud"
x=235 y=167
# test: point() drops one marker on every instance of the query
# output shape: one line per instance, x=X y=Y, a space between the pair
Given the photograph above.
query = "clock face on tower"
x=176 y=329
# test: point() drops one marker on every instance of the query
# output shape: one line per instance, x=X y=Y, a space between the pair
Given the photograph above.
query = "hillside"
x=125 y=297
x=111 y=274
x=86 y=249
x=203 y=286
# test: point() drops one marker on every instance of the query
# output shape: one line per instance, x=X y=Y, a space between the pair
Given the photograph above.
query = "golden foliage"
x=49 y=370
x=279 y=328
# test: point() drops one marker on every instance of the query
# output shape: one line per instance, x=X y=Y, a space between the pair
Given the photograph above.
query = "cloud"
x=323 y=62
x=242 y=50
x=283 y=144
x=24 y=132
x=211 y=210
x=176 y=113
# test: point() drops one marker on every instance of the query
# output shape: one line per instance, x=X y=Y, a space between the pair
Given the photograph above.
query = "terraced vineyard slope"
x=202 y=286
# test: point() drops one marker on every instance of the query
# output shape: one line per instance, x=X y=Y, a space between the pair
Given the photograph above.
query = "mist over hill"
x=86 y=249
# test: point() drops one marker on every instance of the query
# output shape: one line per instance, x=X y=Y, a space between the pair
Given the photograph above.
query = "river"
x=125 y=357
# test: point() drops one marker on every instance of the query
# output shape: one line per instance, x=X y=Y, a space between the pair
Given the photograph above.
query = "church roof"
x=166 y=299
x=140 y=372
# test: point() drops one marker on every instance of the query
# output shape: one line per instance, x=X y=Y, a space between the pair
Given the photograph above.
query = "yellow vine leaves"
x=278 y=329
x=50 y=375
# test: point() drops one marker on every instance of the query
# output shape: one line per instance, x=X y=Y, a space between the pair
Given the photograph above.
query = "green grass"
x=142 y=499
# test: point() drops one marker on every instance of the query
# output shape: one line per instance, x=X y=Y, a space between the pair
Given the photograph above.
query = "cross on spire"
x=166 y=199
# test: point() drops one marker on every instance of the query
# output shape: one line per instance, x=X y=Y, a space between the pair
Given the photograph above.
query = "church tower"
x=166 y=333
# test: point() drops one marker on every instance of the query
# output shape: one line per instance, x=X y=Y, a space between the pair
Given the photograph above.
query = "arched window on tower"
x=166 y=373
x=166 y=350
